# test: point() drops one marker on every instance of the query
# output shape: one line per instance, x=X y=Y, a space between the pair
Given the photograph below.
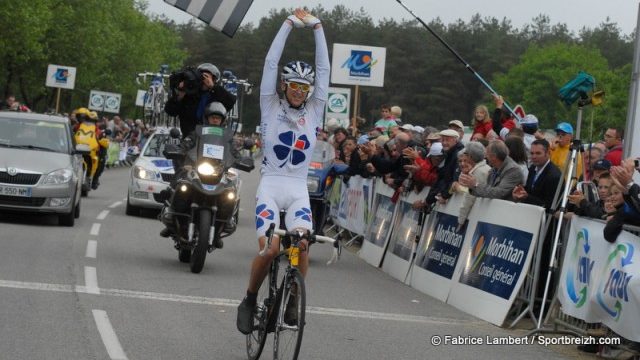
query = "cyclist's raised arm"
x=323 y=67
x=270 y=71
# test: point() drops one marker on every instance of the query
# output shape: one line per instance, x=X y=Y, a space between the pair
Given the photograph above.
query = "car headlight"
x=313 y=183
x=206 y=169
x=61 y=176
x=142 y=173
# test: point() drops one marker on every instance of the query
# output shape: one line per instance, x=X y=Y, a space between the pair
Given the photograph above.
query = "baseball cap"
x=407 y=127
x=435 y=150
x=418 y=129
x=434 y=136
x=565 y=127
x=449 y=132
x=457 y=123
x=530 y=119
x=602 y=164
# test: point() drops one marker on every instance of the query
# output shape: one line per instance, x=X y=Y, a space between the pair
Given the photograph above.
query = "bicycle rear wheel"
x=257 y=338
x=290 y=326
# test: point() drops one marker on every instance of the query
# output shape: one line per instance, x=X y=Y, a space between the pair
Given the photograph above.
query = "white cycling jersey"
x=289 y=136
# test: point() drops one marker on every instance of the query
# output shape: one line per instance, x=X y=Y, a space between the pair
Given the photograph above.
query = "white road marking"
x=92 y=247
x=232 y=303
x=109 y=337
x=115 y=204
x=103 y=214
x=91 y=280
x=95 y=229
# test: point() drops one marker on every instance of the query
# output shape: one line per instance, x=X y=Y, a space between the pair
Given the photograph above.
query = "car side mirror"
x=83 y=149
x=244 y=164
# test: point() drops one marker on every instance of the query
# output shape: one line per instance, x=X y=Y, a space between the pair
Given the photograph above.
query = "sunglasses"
x=298 y=86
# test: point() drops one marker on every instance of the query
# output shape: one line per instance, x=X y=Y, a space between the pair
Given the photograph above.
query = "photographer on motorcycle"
x=188 y=100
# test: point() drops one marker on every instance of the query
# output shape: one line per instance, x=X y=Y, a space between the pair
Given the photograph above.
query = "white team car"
x=150 y=174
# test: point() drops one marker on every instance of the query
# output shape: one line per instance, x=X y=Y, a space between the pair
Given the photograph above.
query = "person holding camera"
x=191 y=91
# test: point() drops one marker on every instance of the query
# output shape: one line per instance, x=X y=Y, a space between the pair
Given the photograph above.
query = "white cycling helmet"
x=298 y=71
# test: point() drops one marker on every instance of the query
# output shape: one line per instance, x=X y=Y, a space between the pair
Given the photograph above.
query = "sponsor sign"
x=441 y=252
x=358 y=65
x=61 y=76
x=104 y=101
x=498 y=256
x=599 y=280
x=338 y=106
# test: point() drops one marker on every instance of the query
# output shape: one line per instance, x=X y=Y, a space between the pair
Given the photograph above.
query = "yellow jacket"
x=560 y=155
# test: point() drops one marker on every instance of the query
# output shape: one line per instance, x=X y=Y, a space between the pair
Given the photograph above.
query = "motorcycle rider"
x=288 y=128
x=86 y=132
x=215 y=114
x=103 y=141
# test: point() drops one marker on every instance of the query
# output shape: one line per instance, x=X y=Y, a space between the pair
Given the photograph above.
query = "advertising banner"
x=379 y=228
x=599 y=280
x=358 y=65
x=496 y=256
x=61 y=76
x=338 y=106
x=439 y=250
x=104 y=101
x=407 y=229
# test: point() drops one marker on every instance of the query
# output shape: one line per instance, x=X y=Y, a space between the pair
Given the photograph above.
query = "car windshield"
x=156 y=144
x=34 y=135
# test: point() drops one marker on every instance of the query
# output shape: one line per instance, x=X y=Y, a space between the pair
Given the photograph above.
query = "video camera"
x=191 y=79
x=581 y=89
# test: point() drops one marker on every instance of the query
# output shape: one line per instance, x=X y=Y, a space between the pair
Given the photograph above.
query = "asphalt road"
x=111 y=288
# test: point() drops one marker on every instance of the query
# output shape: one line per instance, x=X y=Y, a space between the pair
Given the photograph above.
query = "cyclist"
x=288 y=127
x=189 y=108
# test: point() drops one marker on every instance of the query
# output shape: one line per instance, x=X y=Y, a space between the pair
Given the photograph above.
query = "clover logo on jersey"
x=263 y=214
x=291 y=148
x=304 y=214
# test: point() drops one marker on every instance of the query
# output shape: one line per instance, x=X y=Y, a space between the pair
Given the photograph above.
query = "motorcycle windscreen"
x=214 y=142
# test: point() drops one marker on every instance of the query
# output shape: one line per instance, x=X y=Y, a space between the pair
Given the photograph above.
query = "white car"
x=150 y=174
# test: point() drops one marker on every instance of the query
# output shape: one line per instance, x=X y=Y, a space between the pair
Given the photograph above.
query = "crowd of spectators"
x=502 y=159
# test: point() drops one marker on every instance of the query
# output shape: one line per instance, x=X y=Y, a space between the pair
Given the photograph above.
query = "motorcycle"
x=319 y=181
x=203 y=202
x=86 y=135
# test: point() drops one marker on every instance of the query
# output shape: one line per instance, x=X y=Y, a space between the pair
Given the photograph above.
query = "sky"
x=575 y=13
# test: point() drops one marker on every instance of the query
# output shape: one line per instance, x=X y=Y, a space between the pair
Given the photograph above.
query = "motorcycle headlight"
x=144 y=174
x=60 y=176
x=206 y=169
x=313 y=183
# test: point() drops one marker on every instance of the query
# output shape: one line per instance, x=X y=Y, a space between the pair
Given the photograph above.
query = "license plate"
x=15 y=191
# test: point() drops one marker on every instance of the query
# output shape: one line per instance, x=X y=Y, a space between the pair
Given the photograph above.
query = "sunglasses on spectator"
x=298 y=86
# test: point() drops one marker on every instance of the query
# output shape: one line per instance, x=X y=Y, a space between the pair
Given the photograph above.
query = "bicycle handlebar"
x=311 y=237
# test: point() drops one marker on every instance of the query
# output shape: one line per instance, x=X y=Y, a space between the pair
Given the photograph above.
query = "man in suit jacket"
x=543 y=178
x=503 y=178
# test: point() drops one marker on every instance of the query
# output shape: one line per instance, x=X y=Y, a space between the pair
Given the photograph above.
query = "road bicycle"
x=273 y=299
x=156 y=97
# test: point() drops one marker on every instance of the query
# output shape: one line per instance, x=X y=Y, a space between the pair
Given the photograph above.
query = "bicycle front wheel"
x=291 y=318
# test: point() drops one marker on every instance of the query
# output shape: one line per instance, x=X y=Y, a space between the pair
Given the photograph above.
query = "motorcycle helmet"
x=216 y=108
x=93 y=116
x=298 y=71
x=210 y=68
x=81 y=113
